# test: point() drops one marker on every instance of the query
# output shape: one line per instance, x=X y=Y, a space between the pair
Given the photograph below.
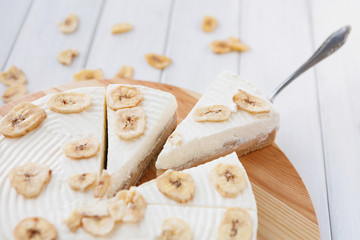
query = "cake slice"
x=140 y=119
x=232 y=115
x=219 y=183
x=44 y=146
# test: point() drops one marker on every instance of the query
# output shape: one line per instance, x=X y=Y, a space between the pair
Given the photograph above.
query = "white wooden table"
x=320 y=112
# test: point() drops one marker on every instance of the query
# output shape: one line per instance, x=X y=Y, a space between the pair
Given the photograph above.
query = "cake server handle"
x=331 y=44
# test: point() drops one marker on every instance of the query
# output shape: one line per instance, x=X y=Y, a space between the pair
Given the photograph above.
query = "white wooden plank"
x=194 y=64
x=40 y=41
x=339 y=87
x=110 y=52
x=12 y=15
x=280 y=36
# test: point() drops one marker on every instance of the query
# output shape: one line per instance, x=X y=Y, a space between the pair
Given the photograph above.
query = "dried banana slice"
x=228 y=179
x=129 y=123
x=125 y=72
x=66 y=57
x=98 y=226
x=88 y=74
x=174 y=228
x=157 y=61
x=35 y=228
x=82 y=148
x=121 y=28
x=250 y=103
x=70 y=102
x=209 y=24
x=175 y=139
x=178 y=186
x=213 y=113
x=14 y=92
x=13 y=76
x=73 y=222
x=235 y=225
x=22 y=119
x=220 y=47
x=70 y=24
x=82 y=181
x=102 y=185
x=99 y=208
x=128 y=206
x=124 y=97
x=29 y=179
x=237 y=45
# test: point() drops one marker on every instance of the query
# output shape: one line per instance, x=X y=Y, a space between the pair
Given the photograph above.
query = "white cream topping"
x=205 y=193
x=201 y=139
x=125 y=155
x=44 y=145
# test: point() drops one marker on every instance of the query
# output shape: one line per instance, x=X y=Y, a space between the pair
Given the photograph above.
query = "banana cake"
x=69 y=159
x=232 y=115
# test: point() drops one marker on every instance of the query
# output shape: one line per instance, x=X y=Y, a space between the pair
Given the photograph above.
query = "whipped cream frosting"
x=201 y=139
x=125 y=155
x=205 y=193
x=44 y=145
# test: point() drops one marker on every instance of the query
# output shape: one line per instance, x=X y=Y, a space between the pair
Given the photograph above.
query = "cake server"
x=331 y=45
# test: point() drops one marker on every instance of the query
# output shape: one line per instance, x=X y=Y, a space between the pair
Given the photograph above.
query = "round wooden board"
x=284 y=207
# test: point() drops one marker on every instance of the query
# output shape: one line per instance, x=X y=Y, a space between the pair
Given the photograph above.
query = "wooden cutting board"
x=284 y=207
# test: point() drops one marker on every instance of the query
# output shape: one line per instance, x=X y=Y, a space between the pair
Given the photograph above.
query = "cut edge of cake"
x=157 y=105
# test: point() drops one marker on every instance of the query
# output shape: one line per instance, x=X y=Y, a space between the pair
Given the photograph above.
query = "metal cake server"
x=331 y=44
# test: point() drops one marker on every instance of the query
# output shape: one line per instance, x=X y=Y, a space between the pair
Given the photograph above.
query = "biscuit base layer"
x=241 y=149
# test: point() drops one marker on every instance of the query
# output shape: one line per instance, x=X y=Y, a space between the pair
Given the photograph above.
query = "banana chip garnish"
x=88 y=74
x=235 y=225
x=174 y=228
x=213 y=113
x=22 y=119
x=70 y=24
x=69 y=102
x=228 y=179
x=14 y=92
x=82 y=148
x=250 y=103
x=209 y=24
x=124 y=97
x=178 y=186
x=29 y=179
x=129 y=123
x=35 y=228
x=13 y=76
x=157 y=61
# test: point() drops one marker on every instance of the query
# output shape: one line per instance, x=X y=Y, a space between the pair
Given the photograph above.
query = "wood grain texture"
x=150 y=21
x=284 y=206
x=339 y=87
x=280 y=42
